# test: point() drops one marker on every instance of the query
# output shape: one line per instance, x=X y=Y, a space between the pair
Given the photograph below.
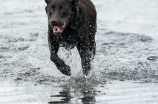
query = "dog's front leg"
x=60 y=64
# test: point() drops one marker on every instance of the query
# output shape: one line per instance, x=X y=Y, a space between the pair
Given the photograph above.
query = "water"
x=124 y=70
x=55 y=93
x=130 y=16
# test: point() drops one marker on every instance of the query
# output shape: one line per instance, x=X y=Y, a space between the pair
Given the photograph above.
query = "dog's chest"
x=66 y=45
x=67 y=42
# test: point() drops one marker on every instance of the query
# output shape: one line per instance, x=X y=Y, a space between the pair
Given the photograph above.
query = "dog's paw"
x=65 y=70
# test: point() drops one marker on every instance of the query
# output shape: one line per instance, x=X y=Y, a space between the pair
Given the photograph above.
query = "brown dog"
x=71 y=23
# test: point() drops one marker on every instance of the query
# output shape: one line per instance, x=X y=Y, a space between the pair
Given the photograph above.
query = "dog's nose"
x=54 y=22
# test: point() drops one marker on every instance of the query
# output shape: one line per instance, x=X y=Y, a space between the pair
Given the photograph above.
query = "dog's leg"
x=60 y=64
x=92 y=45
x=84 y=51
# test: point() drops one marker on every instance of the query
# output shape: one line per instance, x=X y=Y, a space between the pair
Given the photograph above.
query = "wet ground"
x=115 y=92
x=125 y=68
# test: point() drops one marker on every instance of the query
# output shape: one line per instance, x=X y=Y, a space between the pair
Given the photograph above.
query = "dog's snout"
x=54 y=22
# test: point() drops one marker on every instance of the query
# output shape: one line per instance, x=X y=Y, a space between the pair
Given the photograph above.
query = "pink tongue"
x=63 y=25
x=58 y=29
x=56 y=26
x=60 y=26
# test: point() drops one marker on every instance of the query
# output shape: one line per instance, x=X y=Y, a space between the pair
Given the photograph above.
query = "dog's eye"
x=62 y=9
x=51 y=10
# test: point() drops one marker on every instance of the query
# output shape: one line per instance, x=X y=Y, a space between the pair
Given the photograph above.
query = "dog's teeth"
x=57 y=29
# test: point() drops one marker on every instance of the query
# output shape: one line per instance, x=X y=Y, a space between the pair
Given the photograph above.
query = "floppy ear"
x=47 y=1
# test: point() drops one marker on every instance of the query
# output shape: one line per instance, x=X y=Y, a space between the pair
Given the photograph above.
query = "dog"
x=72 y=23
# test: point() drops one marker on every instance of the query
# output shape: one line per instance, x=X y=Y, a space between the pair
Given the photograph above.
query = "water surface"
x=115 y=92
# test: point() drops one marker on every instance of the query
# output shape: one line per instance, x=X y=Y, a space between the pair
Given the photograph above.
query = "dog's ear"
x=47 y=1
x=74 y=1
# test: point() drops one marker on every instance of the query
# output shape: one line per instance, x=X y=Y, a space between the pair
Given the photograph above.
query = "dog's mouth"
x=59 y=29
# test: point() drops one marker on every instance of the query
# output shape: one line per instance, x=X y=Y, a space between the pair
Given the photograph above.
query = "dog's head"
x=60 y=13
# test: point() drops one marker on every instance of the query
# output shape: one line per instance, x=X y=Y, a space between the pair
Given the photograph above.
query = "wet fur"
x=79 y=32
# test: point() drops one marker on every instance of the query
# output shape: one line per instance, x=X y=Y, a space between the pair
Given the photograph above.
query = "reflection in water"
x=64 y=96
x=74 y=94
x=89 y=98
x=125 y=92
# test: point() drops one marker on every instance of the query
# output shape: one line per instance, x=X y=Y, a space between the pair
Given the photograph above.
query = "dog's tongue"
x=59 y=29
x=64 y=25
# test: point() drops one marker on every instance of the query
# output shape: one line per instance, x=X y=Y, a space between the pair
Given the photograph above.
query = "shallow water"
x=125 y=68
x=114 y=92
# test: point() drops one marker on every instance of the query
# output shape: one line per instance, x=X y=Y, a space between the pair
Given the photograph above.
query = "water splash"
x=120 y=56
